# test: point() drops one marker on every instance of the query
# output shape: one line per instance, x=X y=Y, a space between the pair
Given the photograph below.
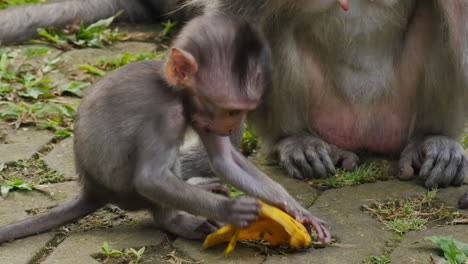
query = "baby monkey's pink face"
x=221 y=119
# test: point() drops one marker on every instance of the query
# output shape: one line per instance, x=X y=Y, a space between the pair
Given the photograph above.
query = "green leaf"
x=6 y=88
x=103 y=23
x=5 y=189
x=454 y=251
x=141 y=251
x=133 y=251
x=35 y=51
x=63 y=133
x=234 y=192
x=115 y=253
x=42 y=32
x=21 y=185
x=105 y=247
x=46 y=124
x=462 y=247
x=36 y=92
x=91 y=69
x=3 y=62
x=51 y=63
x=75 y=88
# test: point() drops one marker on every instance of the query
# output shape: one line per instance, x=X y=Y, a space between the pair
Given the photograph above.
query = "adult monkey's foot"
x=440 y=160
x=307 y=156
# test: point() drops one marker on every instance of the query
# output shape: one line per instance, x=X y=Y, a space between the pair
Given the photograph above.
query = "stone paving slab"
x=22 y=251
x=450 y=197
x=30 y=135
x=92 y=55
x=241 y=255
x=17 y=151
x=61 y=159
x=35 y=61
x=341 y=208
x=13 y=208
x=79 y=247
x=60 y=192
x=408 y=252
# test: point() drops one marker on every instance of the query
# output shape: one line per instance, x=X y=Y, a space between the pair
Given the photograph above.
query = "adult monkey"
x=389 y=77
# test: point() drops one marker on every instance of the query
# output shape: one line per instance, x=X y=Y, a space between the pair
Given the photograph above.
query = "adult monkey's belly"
x=381 y=129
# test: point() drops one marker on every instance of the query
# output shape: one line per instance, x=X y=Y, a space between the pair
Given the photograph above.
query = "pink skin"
x=344 y=4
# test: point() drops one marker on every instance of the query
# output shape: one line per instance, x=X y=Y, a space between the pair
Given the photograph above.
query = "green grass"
x=378 y=260
x=112 y=63
x=249 y=142
x=31 y=171
x=105 y=64
x=412 y=214
x=79 y=35
x=365 y=173
x=465 y=141
x=405 y=224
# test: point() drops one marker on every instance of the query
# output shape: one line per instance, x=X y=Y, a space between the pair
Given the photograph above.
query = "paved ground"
x=363 y=235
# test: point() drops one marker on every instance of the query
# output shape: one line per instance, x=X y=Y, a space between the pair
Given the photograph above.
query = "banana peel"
x=272 y=225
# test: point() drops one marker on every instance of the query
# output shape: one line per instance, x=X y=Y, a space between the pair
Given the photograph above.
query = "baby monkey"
x=132 y=123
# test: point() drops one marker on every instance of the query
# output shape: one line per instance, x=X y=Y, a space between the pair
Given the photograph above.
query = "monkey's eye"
x=234 y=112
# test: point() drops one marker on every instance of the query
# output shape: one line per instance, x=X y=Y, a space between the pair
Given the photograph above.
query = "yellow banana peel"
x=272 y=225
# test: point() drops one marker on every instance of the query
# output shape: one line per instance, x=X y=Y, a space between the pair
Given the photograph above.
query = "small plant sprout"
x=138 y=254
x=109 y=251
x=167 y=31
x=130 y=255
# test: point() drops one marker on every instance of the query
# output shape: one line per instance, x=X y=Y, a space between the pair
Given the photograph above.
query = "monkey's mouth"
x=223 y=133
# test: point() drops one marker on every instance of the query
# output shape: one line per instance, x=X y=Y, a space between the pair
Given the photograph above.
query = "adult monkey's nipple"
x=344 y=4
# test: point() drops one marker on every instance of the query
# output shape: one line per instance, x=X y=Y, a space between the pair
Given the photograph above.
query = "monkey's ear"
x=181 y=66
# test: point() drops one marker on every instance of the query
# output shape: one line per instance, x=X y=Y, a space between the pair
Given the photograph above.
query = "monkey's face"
x=214 y=117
